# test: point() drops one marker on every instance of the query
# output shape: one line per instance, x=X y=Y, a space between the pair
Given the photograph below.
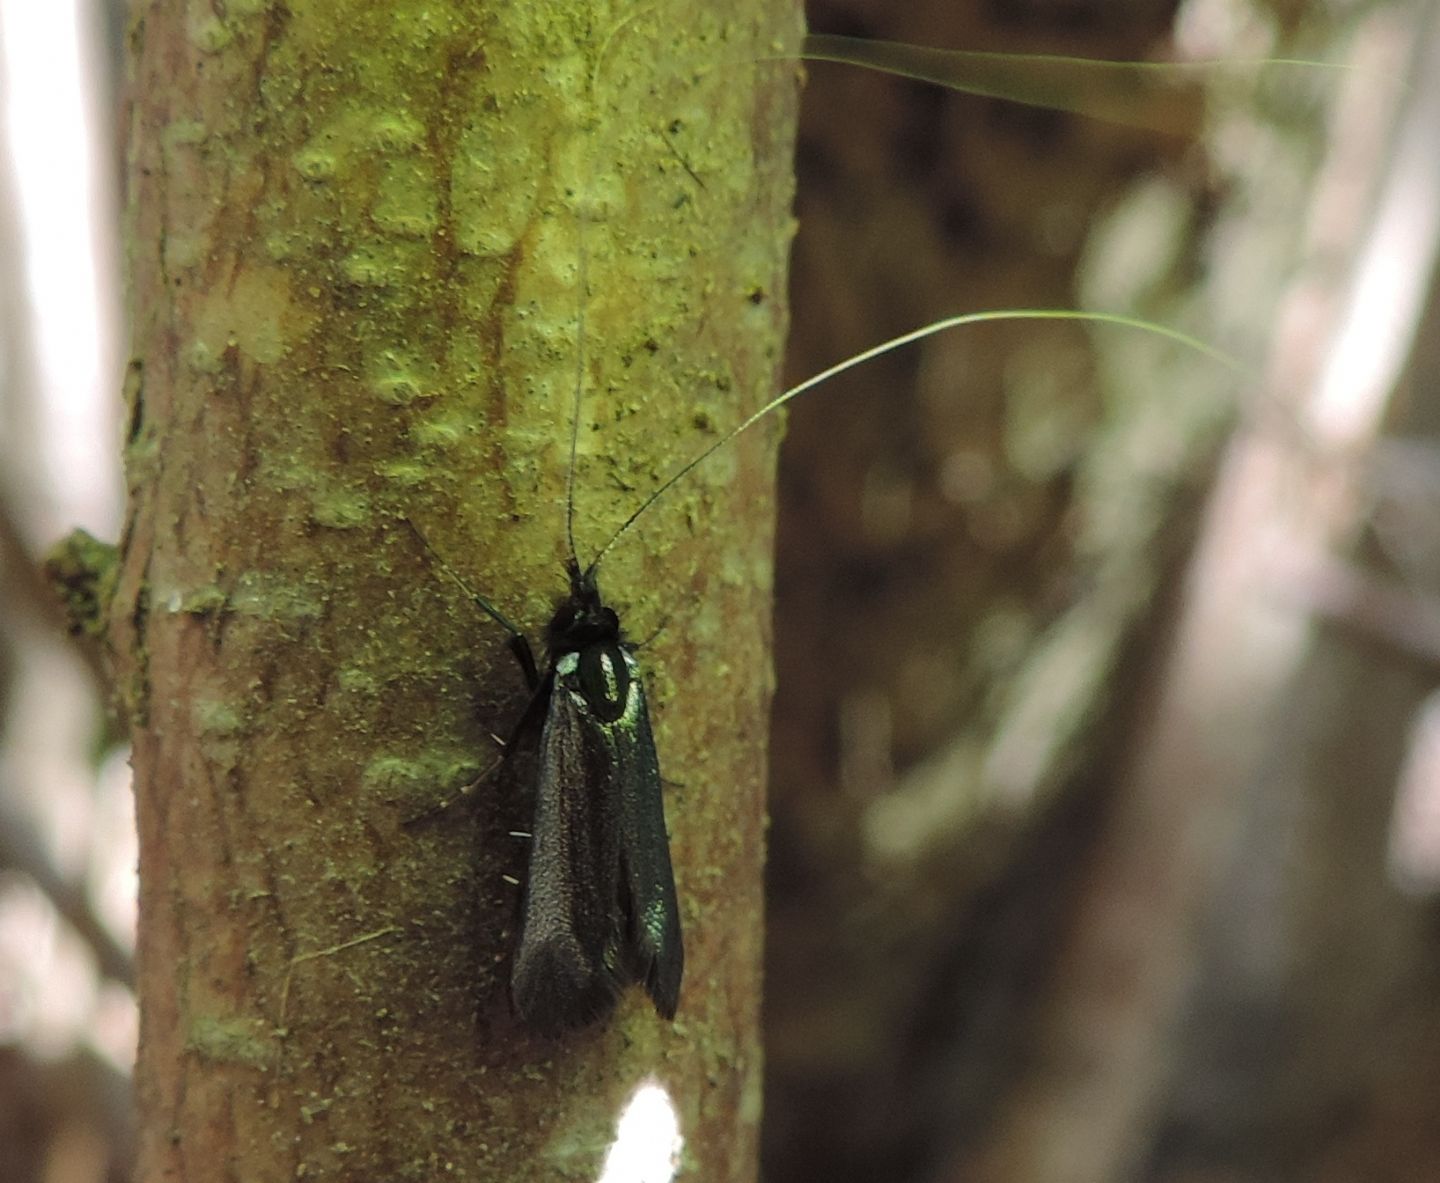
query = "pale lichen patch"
x=494 y=187
x=271 y=597
x=202 y=357
x=209 y=34
x=184 y=133
x=407 y=473
x=417 y=780
x=407 y=202
x=399 y=390
x=358 y=679
x=340 y=510
x=219 y=726
x=184 y=251
x=256 y=315
x=233 y=1040
x=316 y=164
x=440 y=431
x=373 y=266
x=199 y=601
x=397 y=132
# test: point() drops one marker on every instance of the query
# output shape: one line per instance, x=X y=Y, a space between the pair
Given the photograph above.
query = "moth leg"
x=464 y=793
x=650 y=640
x=530 y=720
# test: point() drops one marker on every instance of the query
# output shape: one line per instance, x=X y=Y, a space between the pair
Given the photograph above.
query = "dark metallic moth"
x=599 y=909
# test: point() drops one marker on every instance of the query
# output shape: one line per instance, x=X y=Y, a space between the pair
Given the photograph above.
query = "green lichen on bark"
x=81 y=569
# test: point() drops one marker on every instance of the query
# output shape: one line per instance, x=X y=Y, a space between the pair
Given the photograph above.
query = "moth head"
x=581 y=619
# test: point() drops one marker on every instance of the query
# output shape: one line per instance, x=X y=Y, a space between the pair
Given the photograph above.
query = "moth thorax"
x=601 y=675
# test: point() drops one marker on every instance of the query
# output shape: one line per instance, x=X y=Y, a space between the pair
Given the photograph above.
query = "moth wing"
x=655 y=952
x=567 y=970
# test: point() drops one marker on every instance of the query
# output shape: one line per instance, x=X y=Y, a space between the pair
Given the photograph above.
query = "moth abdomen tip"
x=553 y=991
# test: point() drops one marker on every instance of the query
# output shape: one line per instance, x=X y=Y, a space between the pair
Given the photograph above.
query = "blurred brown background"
x=1098 y=667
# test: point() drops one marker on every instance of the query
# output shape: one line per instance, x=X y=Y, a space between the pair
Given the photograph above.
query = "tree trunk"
x=355 y=276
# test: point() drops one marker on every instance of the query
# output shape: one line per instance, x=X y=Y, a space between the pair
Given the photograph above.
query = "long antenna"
x=583 y=296
x=930 y=330
x=519 y=646
x=481 y=602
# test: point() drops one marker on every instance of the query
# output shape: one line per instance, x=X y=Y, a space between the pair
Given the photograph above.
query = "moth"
x=599 y=909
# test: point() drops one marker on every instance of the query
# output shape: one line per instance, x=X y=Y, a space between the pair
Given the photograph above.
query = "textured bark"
x=355 y=283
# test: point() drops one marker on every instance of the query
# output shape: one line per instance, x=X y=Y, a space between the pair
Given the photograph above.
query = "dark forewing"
x=655 y=951
x=600 y=909
x=567 y=971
